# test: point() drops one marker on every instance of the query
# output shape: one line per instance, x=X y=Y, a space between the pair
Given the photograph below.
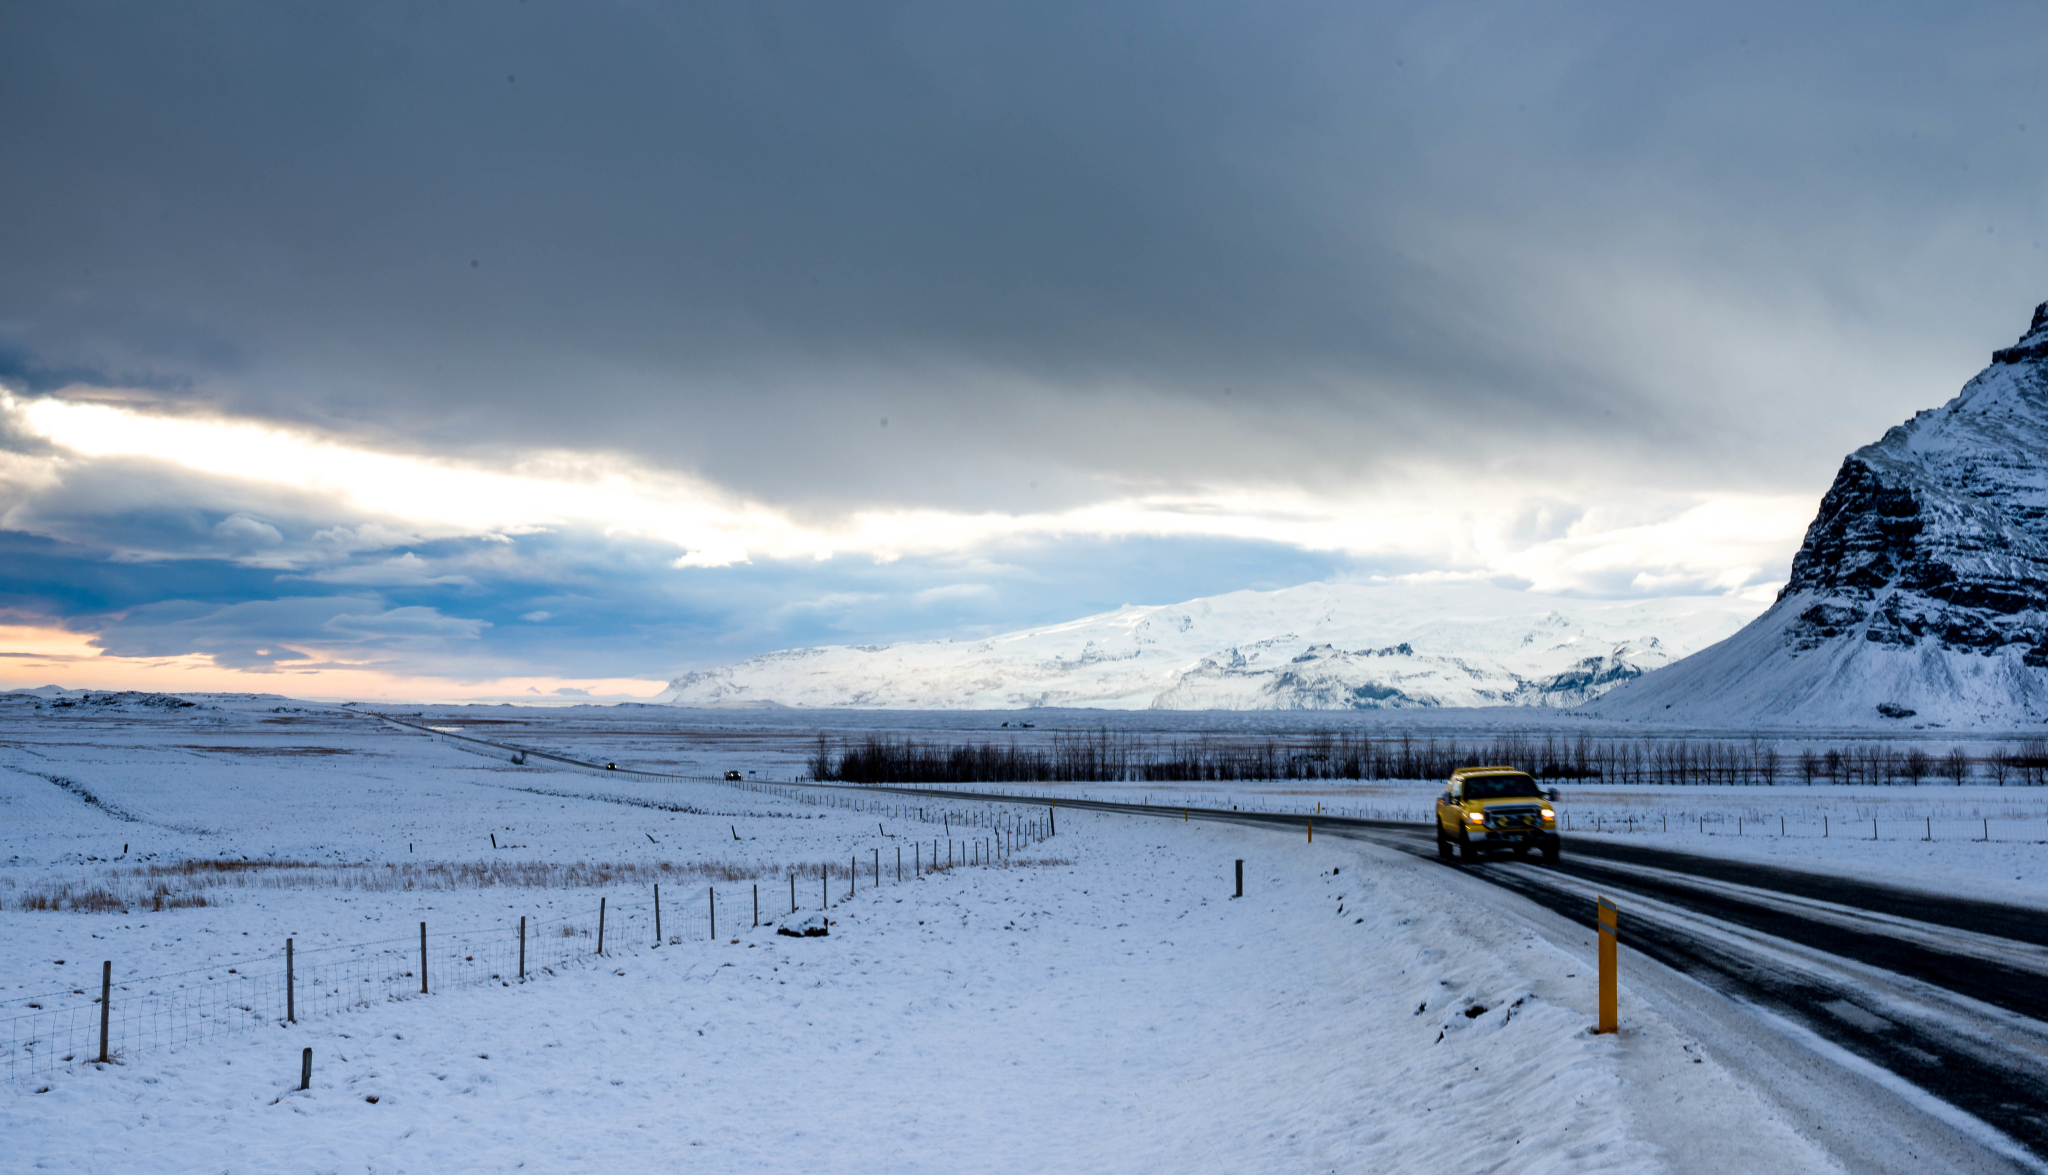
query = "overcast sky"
x=473 y=349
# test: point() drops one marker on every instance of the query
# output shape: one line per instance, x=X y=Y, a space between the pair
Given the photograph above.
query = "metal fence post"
x=291 y=1013
x=522 y=948
x=600 y=926
x=423 y=958
x=657 y=913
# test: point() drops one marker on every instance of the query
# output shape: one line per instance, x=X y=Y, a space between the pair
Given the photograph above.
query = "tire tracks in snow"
x=82 y=793
x=91 y=799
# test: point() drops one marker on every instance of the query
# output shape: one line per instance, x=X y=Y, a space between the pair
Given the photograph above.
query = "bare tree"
x=1809 y=765
x=1916 y=766
x=1955 y=765
x=2000 y=763
x=2033 y=759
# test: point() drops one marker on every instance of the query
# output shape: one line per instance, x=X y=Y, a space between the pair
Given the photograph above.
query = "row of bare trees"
x=1104 y=757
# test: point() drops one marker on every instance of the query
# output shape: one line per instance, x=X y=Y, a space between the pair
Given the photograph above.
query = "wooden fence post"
x=657 y=913
x=522 y=948
x=757 y=903
x=711 y=902
x=600 y=926
x=106 y=995
x=1240 y=879
x=306 y=1069
x=291 y=1013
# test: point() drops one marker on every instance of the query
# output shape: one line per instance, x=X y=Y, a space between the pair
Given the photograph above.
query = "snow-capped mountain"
x=1323 y=646
x=1920 y=595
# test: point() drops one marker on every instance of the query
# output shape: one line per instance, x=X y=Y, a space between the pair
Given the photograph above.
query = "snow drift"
x=1920 y=595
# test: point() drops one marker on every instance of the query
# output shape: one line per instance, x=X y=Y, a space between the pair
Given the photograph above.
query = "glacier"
x=1317 y=646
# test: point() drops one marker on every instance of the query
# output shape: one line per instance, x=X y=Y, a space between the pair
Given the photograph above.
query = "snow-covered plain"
x=1097 y=1001
x=1319 y=646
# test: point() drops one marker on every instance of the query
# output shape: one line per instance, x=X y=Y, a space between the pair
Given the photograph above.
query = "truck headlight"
x=1549 y=814
x=1476 y=817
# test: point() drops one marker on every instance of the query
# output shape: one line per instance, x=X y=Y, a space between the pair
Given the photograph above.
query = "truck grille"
x=1514 y=817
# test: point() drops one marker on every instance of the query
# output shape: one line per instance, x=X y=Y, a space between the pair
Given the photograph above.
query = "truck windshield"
x=1500 y=787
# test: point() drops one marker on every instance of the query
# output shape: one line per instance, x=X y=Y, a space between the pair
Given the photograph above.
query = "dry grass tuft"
x=445 y=875
x=63 y=895
x=178 y=885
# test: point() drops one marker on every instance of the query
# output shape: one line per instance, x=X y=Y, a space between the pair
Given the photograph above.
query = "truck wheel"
x=1468 y=852
x=1443 y=847
x=1550 y=853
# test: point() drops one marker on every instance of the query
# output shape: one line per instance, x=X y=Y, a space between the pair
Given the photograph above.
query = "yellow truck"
x=1494 y=810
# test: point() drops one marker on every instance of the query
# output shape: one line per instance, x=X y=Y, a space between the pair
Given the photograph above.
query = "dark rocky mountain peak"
x=2032 y=345
x=1921 y=588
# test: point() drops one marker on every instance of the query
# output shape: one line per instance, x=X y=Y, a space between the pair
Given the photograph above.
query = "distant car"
x=734 y=775
x=611 y=766
x=1494 y=809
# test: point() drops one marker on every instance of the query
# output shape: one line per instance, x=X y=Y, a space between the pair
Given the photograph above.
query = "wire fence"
x=1759 y=824
x=143 y=1014
x=124 y=1015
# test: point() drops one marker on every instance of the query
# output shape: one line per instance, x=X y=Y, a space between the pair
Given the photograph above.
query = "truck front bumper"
x=1505 y=837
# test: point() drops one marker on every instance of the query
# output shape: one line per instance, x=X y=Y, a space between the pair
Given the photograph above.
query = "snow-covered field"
x=1096 y=1001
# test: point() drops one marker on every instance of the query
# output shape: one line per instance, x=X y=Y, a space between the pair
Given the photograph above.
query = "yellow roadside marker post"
x=1609 y=929
x=1311 y=832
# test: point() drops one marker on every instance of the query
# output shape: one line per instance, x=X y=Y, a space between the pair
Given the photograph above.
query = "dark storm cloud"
x=262 y=634
x=575 y=603
x=1059 y=246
